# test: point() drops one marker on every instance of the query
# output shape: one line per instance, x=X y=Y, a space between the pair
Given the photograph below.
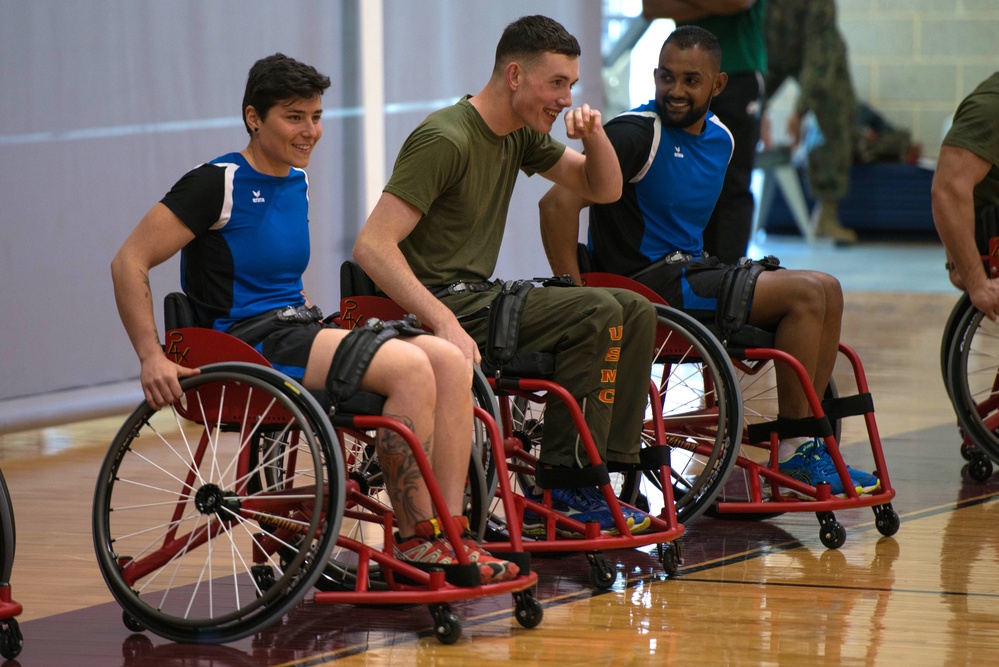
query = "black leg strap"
x=551 y=477
x=357 y=349
x=649 y=458
x=738 y=285
x=504 y=321
x=790 y=428
x=848 y=406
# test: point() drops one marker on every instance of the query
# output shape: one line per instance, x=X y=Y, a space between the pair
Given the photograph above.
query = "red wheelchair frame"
x=753 y=360
x=664 y=529
x=400 y=583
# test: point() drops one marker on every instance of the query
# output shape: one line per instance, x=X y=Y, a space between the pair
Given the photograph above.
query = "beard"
x=692 y=115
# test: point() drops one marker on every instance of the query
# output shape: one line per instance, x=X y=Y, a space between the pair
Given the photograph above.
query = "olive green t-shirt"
x=976 y=128
x=461 y=175
x=742 y=38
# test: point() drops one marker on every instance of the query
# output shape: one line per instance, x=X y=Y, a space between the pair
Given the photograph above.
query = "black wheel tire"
x=832 y=535
x=980 y=467
x=447 y=626
x=886 y=520
x=529 y=611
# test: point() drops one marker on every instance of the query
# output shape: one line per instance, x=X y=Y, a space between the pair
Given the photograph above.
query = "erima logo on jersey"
x=257 y=199
x=676 y=152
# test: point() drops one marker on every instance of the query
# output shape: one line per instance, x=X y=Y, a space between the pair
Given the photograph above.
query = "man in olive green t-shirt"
x=965 y=183
x=440 y=220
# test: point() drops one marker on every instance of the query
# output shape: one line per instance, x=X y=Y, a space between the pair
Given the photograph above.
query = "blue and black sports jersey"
x=252 y=239
x=672 y=179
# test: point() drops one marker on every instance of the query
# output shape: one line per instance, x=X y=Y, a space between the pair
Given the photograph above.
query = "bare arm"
x=158 y=236
x=560 y=211
x=958 y=171
x=597 y=175
x=377 y=252
x=683 y=11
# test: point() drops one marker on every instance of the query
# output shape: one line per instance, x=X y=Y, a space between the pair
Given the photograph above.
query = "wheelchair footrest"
x=519 y=558
x=463 y=576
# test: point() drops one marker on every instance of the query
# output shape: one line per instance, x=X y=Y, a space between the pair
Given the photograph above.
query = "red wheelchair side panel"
x=355 y=311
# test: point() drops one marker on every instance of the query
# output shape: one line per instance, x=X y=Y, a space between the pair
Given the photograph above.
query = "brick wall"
x=914 y=60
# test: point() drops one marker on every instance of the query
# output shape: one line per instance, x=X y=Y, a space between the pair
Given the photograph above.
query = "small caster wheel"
x=602 y=575
x=669 y=556
x=263 y=577
x=831 y=532
x=886 y=520
x=447 y=626
x=979 y=467
x=11 y=640
x=131 y=622
x=527 y=610
x=967 y=448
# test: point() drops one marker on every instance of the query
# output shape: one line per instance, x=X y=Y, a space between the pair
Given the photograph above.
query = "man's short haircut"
x=690 y=36
x=531 y=36
x=278 y=78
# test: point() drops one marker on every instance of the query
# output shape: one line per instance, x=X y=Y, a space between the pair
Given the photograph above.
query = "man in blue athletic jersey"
x=673 y=153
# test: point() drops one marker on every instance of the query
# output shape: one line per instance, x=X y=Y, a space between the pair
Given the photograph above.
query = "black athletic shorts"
x=286 y=345
x=692 y=286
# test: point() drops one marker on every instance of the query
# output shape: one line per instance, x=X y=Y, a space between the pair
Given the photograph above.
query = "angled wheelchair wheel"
x=701 y=412
x=951 y=331
x=479 y=496
x=974 y=379
x=212 y=517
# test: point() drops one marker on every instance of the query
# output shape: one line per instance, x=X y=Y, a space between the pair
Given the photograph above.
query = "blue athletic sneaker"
x=587 y=504
x=812 y=465
x=864 y=482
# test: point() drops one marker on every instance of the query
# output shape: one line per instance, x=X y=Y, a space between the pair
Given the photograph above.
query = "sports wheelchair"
x=215 y=516
x=756 y=489
x=11 y=639
x=522 y=386
x=969 y=361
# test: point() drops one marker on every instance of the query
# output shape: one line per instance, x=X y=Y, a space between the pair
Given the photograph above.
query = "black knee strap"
x=504 y=318
x=357 y=349
x=504 y=321
x=736 y=292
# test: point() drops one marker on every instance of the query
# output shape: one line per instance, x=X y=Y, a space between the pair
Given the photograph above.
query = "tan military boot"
x=826 y=220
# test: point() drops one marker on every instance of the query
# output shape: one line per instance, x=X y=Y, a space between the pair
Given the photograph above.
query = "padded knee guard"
x=353 y=357
x=736 y=293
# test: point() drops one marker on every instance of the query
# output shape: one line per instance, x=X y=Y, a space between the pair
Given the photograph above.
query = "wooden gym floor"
x=753 y=593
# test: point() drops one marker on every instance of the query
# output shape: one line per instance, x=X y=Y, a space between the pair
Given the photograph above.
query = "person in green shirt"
x=966 y=189
x=433 y=238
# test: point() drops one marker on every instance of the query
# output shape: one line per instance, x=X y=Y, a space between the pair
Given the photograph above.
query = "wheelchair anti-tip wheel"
x=213 y=517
